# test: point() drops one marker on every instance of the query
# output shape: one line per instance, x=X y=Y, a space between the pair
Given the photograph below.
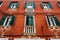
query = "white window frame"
x=27 y=30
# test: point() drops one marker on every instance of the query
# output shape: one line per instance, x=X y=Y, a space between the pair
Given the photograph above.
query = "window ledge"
x=29 y=33
x=54 y=27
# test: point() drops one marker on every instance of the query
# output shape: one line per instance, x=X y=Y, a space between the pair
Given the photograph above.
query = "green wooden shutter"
x=2 y=19
x=10 y=4
x=48 y=20
x=56 y=21
x=0 y=3
x=12 y=21
x=33 y=5
x=25 y=6
x=42 y=6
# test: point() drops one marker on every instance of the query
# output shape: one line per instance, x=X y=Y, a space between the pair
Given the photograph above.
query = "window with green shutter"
x=29 y=5
x=48 y=20
x=7 y=20
x=2 y=19
x=52 y=20
x=29 y=21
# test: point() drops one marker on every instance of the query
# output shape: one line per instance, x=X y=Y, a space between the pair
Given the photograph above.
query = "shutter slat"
x=48 y=20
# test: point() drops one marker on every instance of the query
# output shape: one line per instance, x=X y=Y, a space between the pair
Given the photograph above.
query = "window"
x=52 y=20
x=7 y=20
x=29 y=28
x=13 y=5
x=29 y=21
x=46 y=5
x=58 y=3
x=29 y=5
x=0 y=4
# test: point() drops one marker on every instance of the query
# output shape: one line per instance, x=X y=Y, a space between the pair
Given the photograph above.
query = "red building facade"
x=30 y=19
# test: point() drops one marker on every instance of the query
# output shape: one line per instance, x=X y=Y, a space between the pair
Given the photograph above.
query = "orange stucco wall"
x=40 y=21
